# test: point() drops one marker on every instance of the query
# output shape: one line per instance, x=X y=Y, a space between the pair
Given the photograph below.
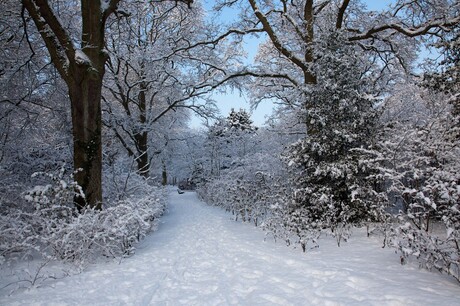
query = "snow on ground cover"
x=200 y=257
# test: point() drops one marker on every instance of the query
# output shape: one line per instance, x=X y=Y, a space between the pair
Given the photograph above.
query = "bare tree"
x=294 y=29
x=82 y=68
x=34 y=113
x=159 y=66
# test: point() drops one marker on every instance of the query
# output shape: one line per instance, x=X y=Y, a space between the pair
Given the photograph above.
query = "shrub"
x=56 y=231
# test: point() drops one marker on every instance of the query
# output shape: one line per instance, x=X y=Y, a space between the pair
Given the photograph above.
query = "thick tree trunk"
x=82 y=70
x=85 y=97
x=309 y=77
x=85 y=89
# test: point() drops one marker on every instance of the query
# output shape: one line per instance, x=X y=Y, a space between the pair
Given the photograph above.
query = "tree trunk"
x=164 y=175
x=84 y=80
x=141 y=137
x=143 y=163
x=82 y=70
x=309 y=77
x=85 y=97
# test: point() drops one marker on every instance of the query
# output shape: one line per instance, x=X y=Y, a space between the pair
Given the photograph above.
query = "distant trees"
x=242 y=170
x=159 y=65
x=229 y=140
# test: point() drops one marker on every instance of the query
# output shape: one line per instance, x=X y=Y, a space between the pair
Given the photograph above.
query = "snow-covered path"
x=200 y=257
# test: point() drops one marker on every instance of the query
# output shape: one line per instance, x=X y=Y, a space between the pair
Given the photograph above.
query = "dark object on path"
x=180 y=191
x=186 y=185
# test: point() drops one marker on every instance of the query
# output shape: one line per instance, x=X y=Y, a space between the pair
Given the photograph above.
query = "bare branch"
x=53 y=34
x=216 y=40
x=341 y=13
x=274 y=38
x=410 y=32
x=318 y=8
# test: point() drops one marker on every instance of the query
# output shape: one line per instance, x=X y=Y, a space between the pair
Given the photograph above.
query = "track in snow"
x=199 y=256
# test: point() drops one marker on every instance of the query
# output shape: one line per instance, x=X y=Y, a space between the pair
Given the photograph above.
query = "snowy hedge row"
x=249 y=190
x=248 y=198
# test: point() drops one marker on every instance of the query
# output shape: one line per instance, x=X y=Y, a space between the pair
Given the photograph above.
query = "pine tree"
x=240 y=121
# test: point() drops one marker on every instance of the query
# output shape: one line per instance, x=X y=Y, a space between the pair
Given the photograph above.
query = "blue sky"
x=226 y=102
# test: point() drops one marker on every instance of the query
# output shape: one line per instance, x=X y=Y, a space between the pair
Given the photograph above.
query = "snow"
x=81 y=58
x=199 y=256
x=104 y=5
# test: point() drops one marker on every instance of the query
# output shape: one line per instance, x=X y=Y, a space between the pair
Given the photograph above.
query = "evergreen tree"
x=240 y=121
x=332 y=189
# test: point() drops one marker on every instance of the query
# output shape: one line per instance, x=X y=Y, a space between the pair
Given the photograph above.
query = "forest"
x=97 y=98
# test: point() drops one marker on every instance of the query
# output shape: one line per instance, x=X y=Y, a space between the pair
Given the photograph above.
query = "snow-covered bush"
x=240 y=173
x=112 y=232
x=55 y=230
x=246 y=191
x=257 y=191
x=418 y=156
x=58 y=192
x=429 y=186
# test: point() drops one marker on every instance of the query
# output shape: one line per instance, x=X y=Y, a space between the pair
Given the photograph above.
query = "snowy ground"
x=200 y=257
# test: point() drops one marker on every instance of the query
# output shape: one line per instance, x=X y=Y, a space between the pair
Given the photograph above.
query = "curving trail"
x=200 y=257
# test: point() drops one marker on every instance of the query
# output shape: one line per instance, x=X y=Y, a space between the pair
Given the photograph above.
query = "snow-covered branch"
x=440 y=24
